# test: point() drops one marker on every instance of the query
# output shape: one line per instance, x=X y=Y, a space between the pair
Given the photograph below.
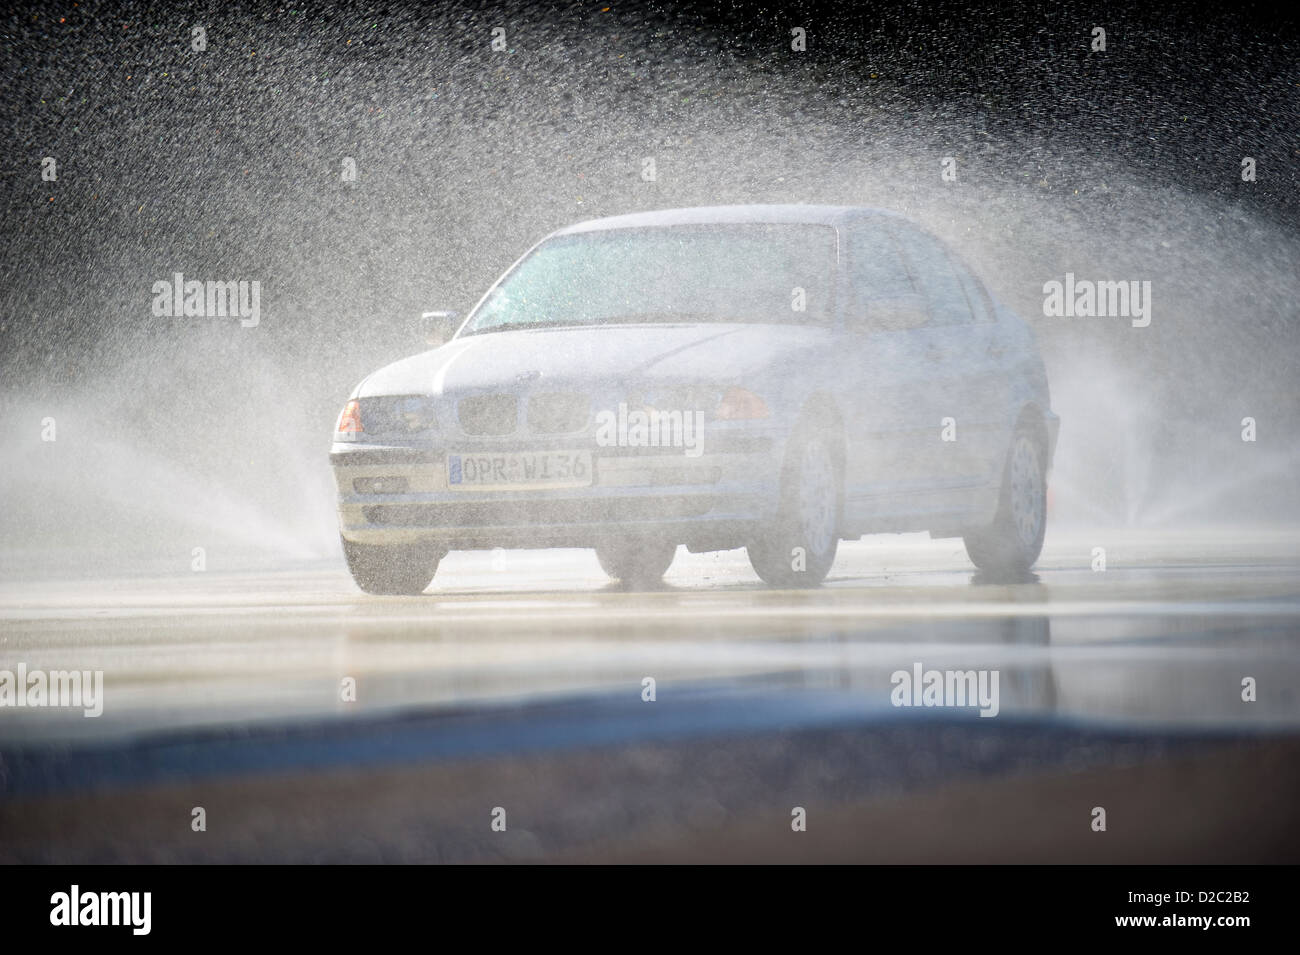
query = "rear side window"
x=877 y=269
x=937 y=277
x=878 y=273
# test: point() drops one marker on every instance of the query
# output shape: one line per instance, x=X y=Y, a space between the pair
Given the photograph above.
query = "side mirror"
x=438 y=327
x=896 y=314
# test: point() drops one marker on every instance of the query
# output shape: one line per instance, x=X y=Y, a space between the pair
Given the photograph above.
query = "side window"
x=884 y=296
x=936 y=276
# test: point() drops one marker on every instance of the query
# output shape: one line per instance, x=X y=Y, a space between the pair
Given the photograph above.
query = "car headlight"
x=349 y=424
x=390 y=416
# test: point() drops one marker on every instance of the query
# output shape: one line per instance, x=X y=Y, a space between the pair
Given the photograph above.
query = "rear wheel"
x=392 y=568
x=1014 y=540
x=799 y=549
x=637 y=563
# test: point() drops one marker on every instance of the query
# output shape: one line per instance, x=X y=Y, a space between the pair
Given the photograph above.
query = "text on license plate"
x=523 y=469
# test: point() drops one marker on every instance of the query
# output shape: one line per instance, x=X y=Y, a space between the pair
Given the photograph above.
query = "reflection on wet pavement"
x=1164 y=643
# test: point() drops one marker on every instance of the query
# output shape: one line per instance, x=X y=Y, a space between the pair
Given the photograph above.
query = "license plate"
x=517 y=471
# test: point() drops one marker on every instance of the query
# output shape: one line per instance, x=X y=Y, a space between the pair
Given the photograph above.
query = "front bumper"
x=716 y=501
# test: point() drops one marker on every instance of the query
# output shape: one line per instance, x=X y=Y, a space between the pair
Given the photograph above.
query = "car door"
x=890 y=407
x=952 y=449
x=989 y=359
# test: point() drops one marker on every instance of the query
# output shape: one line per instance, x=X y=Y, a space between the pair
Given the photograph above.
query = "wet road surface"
x=533 y=667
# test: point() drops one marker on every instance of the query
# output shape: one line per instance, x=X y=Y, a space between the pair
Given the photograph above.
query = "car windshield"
x=760 y=272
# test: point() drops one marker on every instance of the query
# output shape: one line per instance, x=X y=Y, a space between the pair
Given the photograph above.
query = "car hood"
x=713 y=352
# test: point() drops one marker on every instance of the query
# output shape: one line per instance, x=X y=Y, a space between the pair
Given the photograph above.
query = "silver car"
x=778 y=378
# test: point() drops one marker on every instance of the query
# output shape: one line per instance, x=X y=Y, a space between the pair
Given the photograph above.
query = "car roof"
x=727 y=215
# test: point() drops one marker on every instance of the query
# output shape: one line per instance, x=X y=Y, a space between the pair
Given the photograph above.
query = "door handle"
x=995 y=351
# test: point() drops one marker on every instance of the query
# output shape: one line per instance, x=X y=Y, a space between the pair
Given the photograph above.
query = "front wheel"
x=799 y=549
x=638 y=564
x=392 y=568
x=1012 y=543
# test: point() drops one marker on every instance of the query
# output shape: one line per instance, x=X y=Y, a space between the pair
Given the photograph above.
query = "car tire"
x=1012 y=543
x=396 y=569
x=637 y=563
x=799 y=549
